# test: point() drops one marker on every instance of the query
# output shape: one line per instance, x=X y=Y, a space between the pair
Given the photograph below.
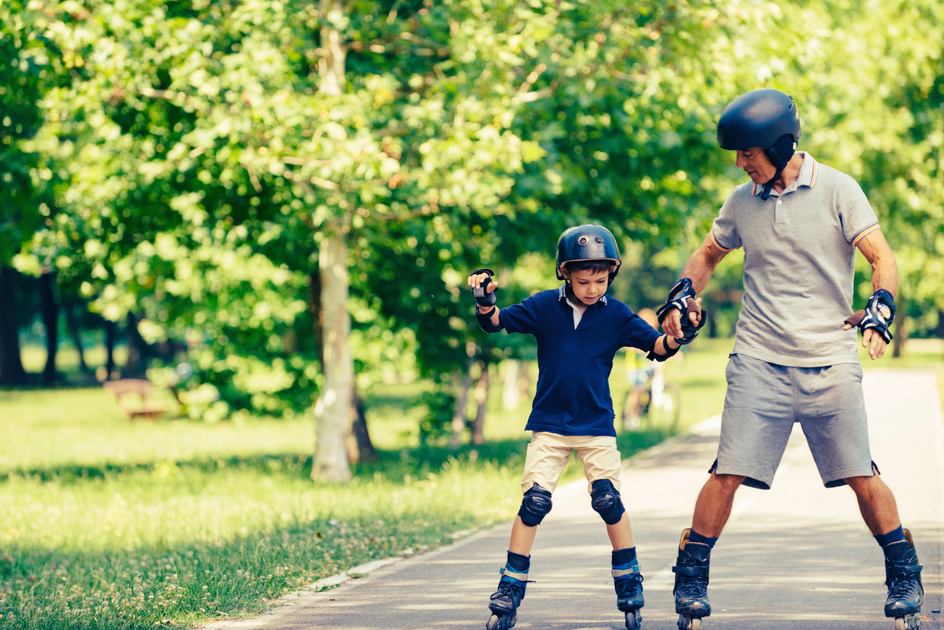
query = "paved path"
x=796 y=556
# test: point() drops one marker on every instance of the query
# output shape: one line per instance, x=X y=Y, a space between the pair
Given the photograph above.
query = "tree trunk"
x=458 y=415
x=75 y=331
x=12 y=373
x=511 y=394
x=333 y=411
x=481 y=405
x=901 y=331
x=334 y=408
x=359 y=446
x=50 y=310
x=109 y=350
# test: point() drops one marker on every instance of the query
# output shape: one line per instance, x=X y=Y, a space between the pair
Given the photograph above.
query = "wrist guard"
x=485 y=320
x=482 y=296
x=879 y=313
x=690 y=330
x=679 y=296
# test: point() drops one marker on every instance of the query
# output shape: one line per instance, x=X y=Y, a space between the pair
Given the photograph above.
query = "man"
x=800 y=223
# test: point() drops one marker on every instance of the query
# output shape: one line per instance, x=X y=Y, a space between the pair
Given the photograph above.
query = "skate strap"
x=521 y=577
x=903 y=570
x=633 y=570
x=691 y=571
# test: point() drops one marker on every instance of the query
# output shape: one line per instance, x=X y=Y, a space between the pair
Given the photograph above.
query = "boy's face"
x=589 y=286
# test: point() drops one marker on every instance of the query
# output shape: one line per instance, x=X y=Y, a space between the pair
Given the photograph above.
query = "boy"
x=578 y=330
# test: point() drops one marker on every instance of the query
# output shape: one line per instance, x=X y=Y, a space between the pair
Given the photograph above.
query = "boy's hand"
x=483 y=288
x=695 y=316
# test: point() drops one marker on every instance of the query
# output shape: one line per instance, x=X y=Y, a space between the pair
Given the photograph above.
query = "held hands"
x=682 y=316
x=684 y=331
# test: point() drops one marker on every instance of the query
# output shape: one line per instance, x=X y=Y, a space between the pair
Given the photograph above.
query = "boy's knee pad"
x=605 y=499
x=535 y=505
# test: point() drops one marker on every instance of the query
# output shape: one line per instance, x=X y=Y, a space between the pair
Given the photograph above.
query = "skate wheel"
x=909 y=622
x=500 y=622
x=689 y=623
x=633 y=620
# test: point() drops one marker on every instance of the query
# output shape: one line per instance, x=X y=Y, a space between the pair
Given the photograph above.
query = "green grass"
x=108 y=523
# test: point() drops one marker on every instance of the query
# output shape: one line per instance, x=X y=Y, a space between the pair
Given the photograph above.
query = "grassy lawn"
x=108 y=523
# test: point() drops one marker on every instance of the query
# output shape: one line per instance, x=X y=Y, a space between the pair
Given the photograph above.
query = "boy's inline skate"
x=629 y=598
x=903 y=578
x=691 y=583
x=504 y=602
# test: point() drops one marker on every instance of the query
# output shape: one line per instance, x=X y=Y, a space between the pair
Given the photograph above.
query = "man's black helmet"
x=587 y=242
x=761 y=118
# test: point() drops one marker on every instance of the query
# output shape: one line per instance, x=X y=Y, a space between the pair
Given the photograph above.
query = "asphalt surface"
x=795 y=556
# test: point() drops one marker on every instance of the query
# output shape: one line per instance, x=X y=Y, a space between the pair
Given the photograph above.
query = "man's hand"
x=871 y=339
x=874 y=321
x=672 y=320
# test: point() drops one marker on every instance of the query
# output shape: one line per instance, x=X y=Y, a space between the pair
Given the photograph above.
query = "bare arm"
x=879 y=254
x=699 y=268
x=884 y=276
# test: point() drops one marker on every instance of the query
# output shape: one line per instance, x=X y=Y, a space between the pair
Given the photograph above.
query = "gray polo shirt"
x=799 y=257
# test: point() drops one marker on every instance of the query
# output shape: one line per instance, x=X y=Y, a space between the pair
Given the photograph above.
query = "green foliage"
x=191 y=162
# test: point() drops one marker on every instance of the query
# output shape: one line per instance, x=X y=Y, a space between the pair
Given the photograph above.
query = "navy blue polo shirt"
x=574 y=364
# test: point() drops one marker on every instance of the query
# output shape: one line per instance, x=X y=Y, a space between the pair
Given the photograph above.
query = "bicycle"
x=650 y=402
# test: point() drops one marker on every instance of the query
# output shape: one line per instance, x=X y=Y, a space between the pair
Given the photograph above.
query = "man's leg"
x=902 y=570
x=712 y=510
x=876 y=504
x=713 y=506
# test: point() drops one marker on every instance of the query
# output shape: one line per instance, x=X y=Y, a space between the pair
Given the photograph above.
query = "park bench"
x=134 y=396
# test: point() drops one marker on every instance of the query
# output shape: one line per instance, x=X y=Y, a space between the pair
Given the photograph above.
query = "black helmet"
x=761 y=118
x=587 y=242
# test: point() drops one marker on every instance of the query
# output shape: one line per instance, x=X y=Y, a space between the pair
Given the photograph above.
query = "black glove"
x=879 y=313
x=690 y=330
x=484 y=297
x=678 y=298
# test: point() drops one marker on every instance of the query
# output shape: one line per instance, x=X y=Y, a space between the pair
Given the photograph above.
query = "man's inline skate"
x=504 y=602
x=903 y=578
x=629 y=598
x=691 y=583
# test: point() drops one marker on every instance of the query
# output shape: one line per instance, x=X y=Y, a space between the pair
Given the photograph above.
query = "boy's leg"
x=544 y=464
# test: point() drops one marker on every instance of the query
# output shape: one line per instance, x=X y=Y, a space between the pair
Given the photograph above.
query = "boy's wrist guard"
x=878 y=314
x=679 y=296
x=485 y=320
x=669 y=352
x=484 y=297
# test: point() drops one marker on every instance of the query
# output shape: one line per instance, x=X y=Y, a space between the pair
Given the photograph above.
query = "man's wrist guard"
x=878 y=314
x=484 y=297
x=485 y=320
x=681 y=293
x=690 y=330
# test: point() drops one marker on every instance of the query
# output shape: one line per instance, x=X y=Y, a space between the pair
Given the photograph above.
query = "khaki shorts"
x=548 y=453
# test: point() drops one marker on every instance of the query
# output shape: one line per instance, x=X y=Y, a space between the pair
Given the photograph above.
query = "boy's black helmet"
x=587 y=242
x=761 y=118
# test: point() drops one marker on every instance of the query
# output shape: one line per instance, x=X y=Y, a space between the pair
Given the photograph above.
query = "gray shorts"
x=763 y=401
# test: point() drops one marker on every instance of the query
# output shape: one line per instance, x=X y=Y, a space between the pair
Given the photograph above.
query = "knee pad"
x=535 y=505
x=605 y=499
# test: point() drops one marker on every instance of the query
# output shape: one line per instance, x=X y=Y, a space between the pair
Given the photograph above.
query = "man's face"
x=756 y=164
x=589 y=286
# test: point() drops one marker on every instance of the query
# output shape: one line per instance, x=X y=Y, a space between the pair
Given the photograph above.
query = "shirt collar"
x=807 y=176
x=562 y=295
